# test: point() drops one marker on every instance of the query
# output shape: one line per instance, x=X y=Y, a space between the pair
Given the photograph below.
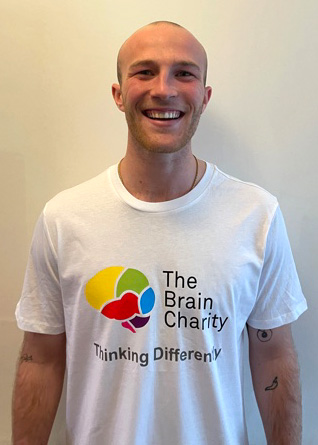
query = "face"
x=162 y=92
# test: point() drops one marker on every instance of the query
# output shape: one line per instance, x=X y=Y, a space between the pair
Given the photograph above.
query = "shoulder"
x=244 y=188
x=78 y=199
x=239 y=194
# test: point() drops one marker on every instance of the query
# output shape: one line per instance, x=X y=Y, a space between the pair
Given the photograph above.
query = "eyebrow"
x=184 y=63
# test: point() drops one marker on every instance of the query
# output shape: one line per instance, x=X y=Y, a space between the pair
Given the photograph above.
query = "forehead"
x=162 y=44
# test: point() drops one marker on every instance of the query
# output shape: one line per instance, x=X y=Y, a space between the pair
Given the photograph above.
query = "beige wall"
x=59 y=127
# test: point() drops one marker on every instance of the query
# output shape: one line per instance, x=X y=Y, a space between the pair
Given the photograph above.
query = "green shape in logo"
x=133 y=280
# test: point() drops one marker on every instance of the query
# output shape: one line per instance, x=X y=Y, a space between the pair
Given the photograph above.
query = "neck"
x=158 y=177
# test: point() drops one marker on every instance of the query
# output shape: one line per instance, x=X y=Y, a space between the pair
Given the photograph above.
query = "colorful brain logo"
x=121 y=294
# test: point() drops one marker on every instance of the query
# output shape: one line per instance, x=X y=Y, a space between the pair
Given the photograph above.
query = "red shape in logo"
x=122 y=309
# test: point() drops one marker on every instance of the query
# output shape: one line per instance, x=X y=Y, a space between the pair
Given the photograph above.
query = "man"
x=146 y=276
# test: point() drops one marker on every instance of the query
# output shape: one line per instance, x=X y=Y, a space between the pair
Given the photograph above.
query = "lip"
x=153 y=116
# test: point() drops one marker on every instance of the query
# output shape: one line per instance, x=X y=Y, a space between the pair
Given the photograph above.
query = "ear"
x=207 y=97
x=117 y=95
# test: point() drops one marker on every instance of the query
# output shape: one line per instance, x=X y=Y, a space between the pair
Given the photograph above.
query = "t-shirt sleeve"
x=40 y=308
x=280 y=299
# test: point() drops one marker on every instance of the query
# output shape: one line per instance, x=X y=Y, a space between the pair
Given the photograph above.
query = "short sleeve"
x=279 y=299
x=40 y=308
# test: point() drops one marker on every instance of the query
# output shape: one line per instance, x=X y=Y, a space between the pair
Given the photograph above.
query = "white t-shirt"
x=154 y=298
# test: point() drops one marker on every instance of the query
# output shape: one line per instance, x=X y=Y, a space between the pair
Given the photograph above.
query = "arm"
x=38 y=387
x=275 y=376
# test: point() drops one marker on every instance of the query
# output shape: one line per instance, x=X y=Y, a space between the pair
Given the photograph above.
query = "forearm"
x=38 y=388
x=36 y=397
x=277 y=390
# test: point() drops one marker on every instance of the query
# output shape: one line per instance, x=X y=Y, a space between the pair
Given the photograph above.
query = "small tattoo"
x=273 y=385
x=26 y=358
x=264 y=335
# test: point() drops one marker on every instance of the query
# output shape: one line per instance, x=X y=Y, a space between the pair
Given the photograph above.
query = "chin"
x=163 y=149
x=158 y=146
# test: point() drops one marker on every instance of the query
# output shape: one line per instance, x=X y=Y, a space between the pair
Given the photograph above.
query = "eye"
x=184 y=74
x=145 y=73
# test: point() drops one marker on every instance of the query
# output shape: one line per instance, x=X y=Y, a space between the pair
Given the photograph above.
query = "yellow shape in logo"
x=100 y=288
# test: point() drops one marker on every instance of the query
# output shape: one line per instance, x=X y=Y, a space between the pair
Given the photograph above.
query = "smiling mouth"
x=163 y=115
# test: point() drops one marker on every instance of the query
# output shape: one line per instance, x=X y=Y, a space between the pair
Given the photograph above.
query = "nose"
x=163 y=86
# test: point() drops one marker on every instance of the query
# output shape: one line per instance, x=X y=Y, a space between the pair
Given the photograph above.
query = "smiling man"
x=145 y=280
x=163 y=94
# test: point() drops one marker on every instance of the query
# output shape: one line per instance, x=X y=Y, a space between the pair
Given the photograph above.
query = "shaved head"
x=161 y=72
x=121 y=52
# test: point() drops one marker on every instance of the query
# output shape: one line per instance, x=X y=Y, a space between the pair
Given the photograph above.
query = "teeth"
x=163 y=114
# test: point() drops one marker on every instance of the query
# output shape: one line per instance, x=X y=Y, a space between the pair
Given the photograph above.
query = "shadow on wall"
x=13 y=229
x=220 y=144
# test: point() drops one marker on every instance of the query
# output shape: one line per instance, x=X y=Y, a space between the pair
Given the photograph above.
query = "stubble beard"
x=152 y=144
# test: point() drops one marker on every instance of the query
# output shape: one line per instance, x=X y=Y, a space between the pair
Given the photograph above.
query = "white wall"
x=60 y=127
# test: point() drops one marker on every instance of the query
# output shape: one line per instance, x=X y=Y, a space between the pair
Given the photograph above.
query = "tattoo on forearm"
x=264 y=335
x=26 y=358
x=273 y=385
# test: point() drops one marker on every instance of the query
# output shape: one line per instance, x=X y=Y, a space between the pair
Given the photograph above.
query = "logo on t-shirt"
x=122 y=294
